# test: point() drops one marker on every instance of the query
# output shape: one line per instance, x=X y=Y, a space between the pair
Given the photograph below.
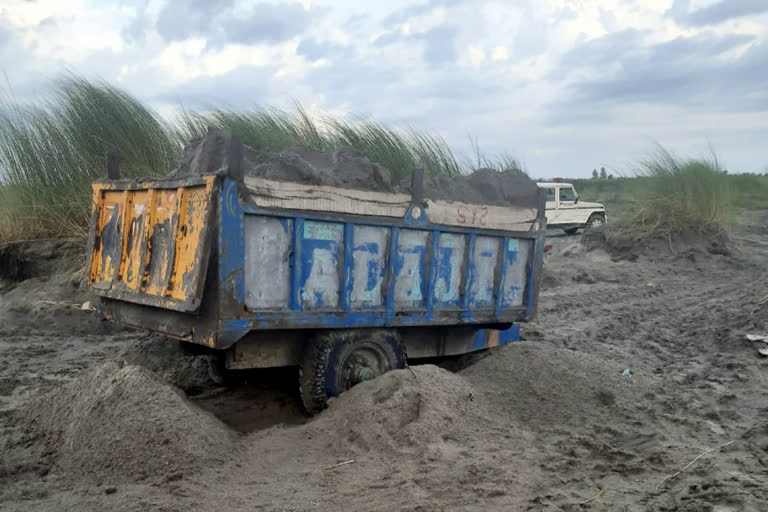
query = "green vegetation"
x=746 y=191
x=277 y=130
x=672 y=196
x=52 y=150
x=50 y=153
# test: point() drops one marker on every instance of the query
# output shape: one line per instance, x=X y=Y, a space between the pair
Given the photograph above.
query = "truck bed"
x=212 y=258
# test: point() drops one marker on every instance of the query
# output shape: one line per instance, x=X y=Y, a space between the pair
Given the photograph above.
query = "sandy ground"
x=635 y=390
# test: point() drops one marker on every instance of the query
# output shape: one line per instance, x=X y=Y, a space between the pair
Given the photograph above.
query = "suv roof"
x=553 y=184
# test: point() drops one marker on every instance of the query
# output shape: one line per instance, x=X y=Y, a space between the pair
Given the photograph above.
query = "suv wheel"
x=596 y=220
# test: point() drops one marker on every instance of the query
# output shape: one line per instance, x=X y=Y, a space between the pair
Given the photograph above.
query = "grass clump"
x=675 y=197
x=278 y=130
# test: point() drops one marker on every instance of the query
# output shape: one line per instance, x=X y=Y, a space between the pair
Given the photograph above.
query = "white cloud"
x=567 y=84
x=500 y=53
x=476 y=55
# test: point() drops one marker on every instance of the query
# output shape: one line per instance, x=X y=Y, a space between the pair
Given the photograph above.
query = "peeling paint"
x=450 y=258
x=516 y=272
x=368 y=266
x=148 y=241
x=410 y=269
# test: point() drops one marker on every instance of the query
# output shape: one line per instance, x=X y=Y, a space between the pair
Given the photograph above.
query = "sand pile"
x=689 y=244
x=414 y=409
x=120 y=423
x=189 y=367
x=483 y=186
x=343 y=168
x=38 y=258
x=350 y=169
x=551 y=386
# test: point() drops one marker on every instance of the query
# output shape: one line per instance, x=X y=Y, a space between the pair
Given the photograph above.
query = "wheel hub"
x=362 y=374
x=365 y=363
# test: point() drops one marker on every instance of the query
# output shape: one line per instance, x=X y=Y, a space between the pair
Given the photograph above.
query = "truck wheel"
x=334 y=361
x=595 y=220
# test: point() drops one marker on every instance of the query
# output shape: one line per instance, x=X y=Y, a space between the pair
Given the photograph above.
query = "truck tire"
x=334 y=361
x=596 y=220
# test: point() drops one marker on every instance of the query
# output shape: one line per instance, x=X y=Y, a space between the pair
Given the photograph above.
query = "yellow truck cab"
x=564 y=209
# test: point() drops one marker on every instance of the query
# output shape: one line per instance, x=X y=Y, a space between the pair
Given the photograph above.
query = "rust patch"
x=149 y=240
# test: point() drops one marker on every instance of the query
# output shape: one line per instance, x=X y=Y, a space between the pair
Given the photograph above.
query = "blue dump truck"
x=341 y=283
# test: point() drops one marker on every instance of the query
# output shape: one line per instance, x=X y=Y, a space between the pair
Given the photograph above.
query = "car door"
x=551 y=205
x=567 y=209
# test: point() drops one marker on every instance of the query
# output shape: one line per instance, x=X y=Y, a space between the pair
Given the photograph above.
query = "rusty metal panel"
x=135 y=221
x=410 y=269
x=149 y=241
x=106 y=257
x=369 y=266
x=515 y=258
x=483 y=271
x=450 y=261
x=320 y=261
x=268 y=246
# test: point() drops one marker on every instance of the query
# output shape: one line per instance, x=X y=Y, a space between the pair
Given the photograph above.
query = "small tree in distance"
x=594 y=174
x=603 y=174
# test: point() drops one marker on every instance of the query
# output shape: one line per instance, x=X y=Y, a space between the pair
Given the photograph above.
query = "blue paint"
x=537 y=249
x=231 y=331
x=482 y=269
x=448 y=263
x=433 y=266
x=413 y=222
x=509 y=335
x=371 y=247
x=322 y=273
x=321 y=319
x=346 y=278
x=374 y=273
x=231 y=243
x=372 y=277
x=480 y=340
x=465 y=286
x=409 y=269
x=319 y=264
x=394 y=237
x=295 y=296
x=500 y=297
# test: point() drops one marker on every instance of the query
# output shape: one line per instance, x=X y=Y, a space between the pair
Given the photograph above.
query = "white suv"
x=566 y=211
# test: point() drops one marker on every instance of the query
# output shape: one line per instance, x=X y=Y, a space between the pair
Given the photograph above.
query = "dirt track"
x=93 y=418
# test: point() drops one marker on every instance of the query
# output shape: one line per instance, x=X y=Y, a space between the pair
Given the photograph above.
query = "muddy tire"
x=596 y=220
x=334 y=361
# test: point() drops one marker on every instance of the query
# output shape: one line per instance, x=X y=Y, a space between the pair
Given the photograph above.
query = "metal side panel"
x=149 y=242
x=268 y=246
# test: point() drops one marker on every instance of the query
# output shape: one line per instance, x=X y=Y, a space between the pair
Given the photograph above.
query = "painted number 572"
x=472 y=216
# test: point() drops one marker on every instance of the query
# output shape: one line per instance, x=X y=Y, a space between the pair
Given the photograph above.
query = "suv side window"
x=567 y=194
x=550 y=194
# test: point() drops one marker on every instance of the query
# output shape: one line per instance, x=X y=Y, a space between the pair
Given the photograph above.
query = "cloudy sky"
x=565 y=85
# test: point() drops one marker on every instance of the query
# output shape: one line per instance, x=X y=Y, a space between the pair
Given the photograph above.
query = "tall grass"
x=400 y=151
x=677 y=196
x=51 y=150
